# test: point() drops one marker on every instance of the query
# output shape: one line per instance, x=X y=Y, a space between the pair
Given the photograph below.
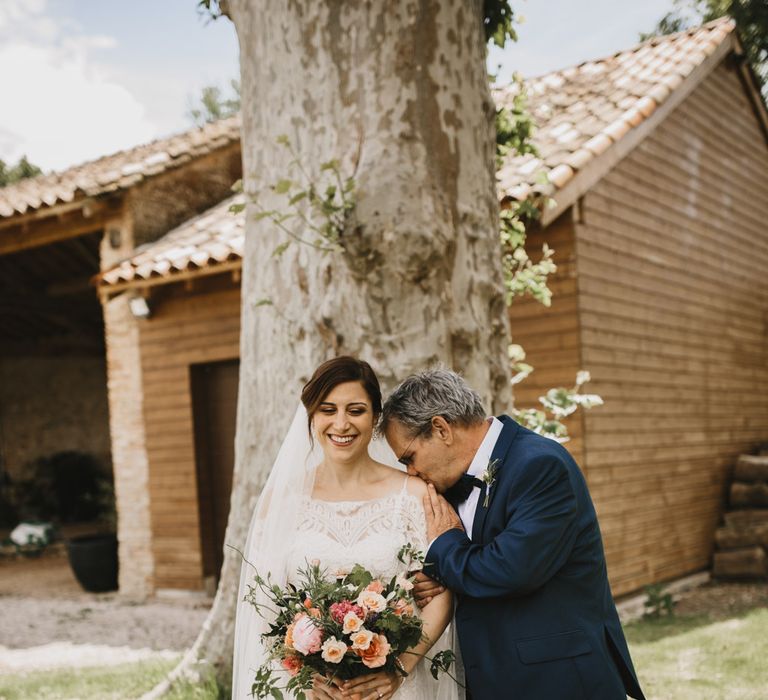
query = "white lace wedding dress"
x=340 y=534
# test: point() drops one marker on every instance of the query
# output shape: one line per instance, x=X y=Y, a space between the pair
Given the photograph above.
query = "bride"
x=334 y=497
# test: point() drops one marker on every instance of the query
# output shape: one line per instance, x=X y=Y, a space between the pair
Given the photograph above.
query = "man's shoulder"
x=530 y=447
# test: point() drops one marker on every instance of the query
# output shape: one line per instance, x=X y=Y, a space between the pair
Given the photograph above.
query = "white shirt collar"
x=484 y=452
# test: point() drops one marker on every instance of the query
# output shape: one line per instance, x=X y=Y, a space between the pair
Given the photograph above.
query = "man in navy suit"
x=519 y=545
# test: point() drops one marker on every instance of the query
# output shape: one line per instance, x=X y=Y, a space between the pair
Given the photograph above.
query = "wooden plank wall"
x=673 y=280
x=185 y=328
x=550 y=335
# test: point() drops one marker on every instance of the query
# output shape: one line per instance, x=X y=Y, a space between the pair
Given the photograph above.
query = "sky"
x=85 y=78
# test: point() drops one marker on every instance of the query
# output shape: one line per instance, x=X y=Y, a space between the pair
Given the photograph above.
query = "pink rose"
x=307 y=638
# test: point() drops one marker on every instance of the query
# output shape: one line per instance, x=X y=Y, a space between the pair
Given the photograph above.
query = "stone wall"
x=52 y=404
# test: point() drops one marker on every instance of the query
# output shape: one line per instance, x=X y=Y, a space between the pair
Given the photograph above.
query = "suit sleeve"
x=536 y=542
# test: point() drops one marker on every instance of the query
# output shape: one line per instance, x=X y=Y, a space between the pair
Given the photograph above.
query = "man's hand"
x=424 y=589
x=440 y=516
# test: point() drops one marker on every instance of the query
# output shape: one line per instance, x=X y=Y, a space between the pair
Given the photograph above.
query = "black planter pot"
x=93 y=559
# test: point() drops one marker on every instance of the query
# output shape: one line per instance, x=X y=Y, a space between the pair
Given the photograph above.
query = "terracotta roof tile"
x=580 y=112
x=214 y=237
x=117 y=171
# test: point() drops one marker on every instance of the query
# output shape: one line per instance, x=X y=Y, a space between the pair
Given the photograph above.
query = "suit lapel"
x=507 y=435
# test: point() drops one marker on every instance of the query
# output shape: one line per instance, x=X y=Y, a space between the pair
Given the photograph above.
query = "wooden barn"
x=59 y=387
x=658 y=163
x=657 y=159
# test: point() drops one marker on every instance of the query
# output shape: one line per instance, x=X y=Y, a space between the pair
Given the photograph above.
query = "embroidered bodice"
x=340 y=534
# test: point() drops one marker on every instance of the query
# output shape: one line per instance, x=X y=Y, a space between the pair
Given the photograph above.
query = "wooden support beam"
x=62 y=223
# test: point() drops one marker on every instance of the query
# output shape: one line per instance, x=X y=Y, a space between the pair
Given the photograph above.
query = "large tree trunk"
x=398 y=93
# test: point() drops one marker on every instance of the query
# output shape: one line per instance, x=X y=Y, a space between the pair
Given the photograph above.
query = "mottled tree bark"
x=397 y=92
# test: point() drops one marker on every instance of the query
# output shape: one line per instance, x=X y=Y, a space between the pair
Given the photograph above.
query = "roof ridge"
x=57 y=174
x=117 y=171
x=652 y=41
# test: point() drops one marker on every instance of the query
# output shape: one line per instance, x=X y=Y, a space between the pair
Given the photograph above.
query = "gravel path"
x=47 y=621
x=31 y=622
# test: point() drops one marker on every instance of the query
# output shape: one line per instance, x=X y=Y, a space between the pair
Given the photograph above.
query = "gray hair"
x=433 y=392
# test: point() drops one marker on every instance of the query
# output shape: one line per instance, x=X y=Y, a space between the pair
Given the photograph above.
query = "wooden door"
x=214 y=405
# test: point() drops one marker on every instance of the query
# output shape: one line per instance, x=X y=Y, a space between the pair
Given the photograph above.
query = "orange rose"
x=292 y=664
x=375 y=655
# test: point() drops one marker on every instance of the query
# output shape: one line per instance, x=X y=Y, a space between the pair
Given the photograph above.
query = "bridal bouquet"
x=339 y=628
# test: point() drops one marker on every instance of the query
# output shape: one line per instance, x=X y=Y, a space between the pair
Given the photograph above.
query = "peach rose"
x=371 y=601
x=292 y=664
x=289 y=631
x=402 y=607
x=375 y=655
x=352 y=622
x=333 y=650
x=307 y=638
x=362 y=639
x=375 y=586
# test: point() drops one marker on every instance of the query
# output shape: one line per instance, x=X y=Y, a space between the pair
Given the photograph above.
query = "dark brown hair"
x=338 y=371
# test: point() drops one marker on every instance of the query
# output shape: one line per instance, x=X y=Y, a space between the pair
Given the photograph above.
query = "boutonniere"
x=488 y=477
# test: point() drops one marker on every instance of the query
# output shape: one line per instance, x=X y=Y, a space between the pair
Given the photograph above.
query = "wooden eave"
x=58 y=223
x=144 y=284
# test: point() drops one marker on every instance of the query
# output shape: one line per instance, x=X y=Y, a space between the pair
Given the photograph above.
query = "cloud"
x=59 y=108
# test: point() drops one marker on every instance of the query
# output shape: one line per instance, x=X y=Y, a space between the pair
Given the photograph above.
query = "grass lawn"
x=714 y=648
x=693 y=657
x=123 y=682
x=105 y=683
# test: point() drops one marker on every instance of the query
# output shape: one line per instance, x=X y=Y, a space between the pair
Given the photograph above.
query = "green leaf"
x=297 y=198
x=262 y=302
x=277 y=252
x=283 y=140
x=282 y=186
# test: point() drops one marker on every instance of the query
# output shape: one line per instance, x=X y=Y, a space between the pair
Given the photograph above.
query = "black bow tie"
x=459 y=492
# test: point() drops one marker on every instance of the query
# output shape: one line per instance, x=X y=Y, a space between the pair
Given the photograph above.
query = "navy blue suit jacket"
x=535 y=615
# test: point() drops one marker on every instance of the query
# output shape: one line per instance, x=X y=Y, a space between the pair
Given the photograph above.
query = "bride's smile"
x=343 y=423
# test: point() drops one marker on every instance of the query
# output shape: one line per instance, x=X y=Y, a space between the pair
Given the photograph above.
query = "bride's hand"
x=377 y=686
x=325 y=689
